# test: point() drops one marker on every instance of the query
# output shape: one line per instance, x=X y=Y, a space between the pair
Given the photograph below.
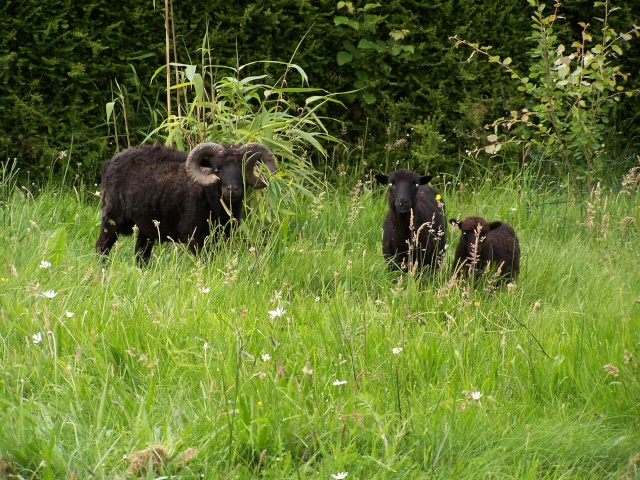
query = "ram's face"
x=229 y=169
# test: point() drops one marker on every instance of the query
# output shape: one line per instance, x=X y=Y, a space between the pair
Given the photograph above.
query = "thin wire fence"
x=550 y=190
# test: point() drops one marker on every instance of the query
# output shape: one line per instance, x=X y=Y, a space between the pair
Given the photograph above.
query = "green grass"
x=174 y=355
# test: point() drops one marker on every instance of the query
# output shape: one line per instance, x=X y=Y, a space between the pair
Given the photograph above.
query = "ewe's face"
x=403 y=187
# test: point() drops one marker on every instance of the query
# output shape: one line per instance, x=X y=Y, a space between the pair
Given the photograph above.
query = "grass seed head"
x=155 y=455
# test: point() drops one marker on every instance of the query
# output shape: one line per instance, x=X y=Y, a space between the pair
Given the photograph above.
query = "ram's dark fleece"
x=414 y=229
x=165 y=194
x=483 y=243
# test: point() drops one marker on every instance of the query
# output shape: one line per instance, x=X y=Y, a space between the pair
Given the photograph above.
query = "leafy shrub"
x=61 y=63
x=571 y=95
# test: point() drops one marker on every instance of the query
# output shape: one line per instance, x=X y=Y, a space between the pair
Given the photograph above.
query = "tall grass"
x=360 y=370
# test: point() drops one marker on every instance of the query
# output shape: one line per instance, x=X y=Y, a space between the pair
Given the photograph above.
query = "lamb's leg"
x=143 y=248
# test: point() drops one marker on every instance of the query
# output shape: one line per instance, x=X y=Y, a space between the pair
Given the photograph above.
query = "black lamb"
x=414 y=229
x=484 y=245
x=164 y=194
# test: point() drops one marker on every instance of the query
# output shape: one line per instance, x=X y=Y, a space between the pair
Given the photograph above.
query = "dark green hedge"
x=60 y=61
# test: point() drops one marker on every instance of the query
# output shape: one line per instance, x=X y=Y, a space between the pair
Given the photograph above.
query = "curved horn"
x=194 y=163
x=258 y=151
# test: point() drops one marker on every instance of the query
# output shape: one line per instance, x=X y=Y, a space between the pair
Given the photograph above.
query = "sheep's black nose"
x=403 y=205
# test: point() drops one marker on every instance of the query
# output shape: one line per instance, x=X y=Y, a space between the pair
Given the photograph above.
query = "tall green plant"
x=237 y=108
x=572 y=93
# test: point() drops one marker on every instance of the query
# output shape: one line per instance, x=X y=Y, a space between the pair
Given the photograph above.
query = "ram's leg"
x=143 y=248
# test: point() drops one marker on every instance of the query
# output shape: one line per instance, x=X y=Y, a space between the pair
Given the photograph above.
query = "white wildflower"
x=37 y=338
x=50 y=294
x=266 y=357
x=45 y=264
x=340 y=475
x=278 y=312
x=396 y=350
x=339 y=382
x=476 y=395
x=68 y=314
x=205 y=289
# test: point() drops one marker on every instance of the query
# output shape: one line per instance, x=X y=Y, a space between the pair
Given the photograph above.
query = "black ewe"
x=165 y=194
x=483 y=243
x=414 y=230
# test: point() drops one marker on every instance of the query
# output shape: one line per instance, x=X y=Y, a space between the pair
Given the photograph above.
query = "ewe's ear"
x=384 y=179
x=455 y=222
x=494 y=225
x=424 y=179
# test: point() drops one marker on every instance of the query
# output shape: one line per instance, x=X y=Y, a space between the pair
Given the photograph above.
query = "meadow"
x=290 y=351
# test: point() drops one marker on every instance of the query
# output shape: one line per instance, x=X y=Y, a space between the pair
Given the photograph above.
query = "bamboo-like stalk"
x=175 y=58
x=168 y=56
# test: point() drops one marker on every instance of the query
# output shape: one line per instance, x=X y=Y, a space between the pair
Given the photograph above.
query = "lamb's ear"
x=494 y=225
x=455 y=222
x=424 y=179
x=383 y=179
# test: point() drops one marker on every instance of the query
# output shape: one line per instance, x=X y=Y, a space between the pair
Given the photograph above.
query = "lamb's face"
x=473 y=231
x=403 y=188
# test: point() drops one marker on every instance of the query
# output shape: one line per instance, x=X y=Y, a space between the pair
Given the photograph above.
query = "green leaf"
x=506 y=61
x=344 y=57
x=309 y=138
x=492 y=138
x=366 y=44
x=198 y=84
x=56 y=245
x=563 y=70
x=617 y=49
x=110 y=106
x=190 y=71
x=490 y=149
x=396 y=35
x=369 y=98
x=370 y=6
x=346 y=21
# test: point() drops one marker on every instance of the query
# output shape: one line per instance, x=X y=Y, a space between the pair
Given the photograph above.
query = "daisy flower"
x=278 y=312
